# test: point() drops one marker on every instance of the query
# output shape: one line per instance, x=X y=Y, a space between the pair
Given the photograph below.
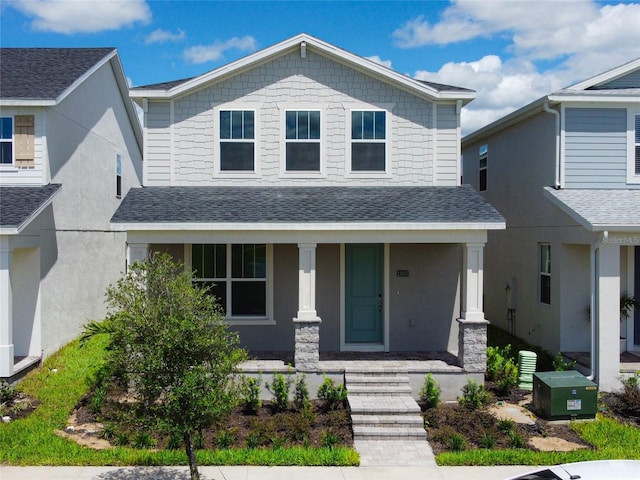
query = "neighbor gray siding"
x=631 y=80
x=595 y=145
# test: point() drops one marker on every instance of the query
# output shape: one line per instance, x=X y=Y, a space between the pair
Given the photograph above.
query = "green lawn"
x=32 y=441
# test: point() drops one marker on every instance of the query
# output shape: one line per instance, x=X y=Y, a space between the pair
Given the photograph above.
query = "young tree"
x=170 y=345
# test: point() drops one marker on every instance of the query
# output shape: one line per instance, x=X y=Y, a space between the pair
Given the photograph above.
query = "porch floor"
x=340 y=362
x=629 y=361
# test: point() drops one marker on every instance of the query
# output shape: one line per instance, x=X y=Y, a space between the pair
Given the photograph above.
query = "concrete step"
x=393 y=420
x=383 y=404
x=378 y=390
x=388 y=432
x=376 y=380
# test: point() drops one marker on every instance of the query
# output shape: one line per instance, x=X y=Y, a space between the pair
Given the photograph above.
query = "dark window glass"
x=292 y=123
x=236 y=156
x=314 y=125
x=6 y=128
x=381 y=125
x=303 y=156
x=248 y=298
x=6 y=153
x=225 y=124
x=249 y=261
x=218 y=289
x=368 y=157
x=545 y=289
x=483 y=180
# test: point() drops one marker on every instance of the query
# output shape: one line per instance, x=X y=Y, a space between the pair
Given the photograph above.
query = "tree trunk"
x=191 y=455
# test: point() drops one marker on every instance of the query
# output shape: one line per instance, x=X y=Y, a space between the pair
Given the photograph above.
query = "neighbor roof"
x=305 y=205
x=599 y=209
x=45 y=73
x=20 y=205
x=431 y=90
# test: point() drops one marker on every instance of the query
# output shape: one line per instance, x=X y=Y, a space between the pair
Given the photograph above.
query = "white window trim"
x=387 y=173
x=541 y=273
x=10 y=166
x=284 y=173
x=255 y=173
x=269 y=319
x=632 y=177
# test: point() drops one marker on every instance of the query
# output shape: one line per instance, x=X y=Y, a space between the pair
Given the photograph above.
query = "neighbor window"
x=368 y=140
x=237 y=133
x=236 y=274
x=118 y=175
x=302 y=140
x=545 y=273
x=484 y=157
x=6 y=140
x=637 y=144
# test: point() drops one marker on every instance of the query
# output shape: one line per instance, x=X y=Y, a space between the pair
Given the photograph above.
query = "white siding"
x=447 y=146
x=290 y=82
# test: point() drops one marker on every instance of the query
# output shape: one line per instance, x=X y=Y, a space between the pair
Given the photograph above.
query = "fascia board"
x=123 y=87
x=86 y=75
x=22 y=102
x=353 y=226
x=594 y=98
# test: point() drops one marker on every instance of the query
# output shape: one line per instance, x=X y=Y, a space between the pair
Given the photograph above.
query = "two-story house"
x=565 y=173
x=318 y=194
x=70 y=149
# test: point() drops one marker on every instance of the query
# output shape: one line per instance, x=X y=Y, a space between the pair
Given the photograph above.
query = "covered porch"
x=332 y=276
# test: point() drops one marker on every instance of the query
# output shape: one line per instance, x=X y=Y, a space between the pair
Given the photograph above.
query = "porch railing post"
x=307 y=322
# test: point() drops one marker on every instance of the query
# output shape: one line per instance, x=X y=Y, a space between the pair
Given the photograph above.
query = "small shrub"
x=488 y=441
x=559 y=365
x=108 y=432
x=508 y=378
x=330 y=439
x=174 y=442
x=630 y=395
x=497 y=357
x=430 y=392
x=250 y=394
x=301 y=393
x=300 y=425
x=143 y=440
x=506 y=425
x=515 y=439
x=254 y=440
x=279 y=388
x=333 y=395
x=97 y=400
x=225 y=439
x=277 y=442
x=456 y=442
x=474 y=396
x=7 y=392
x=122 y=440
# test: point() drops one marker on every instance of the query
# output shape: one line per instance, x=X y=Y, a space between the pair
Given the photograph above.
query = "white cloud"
x=377 y=59
x=215 y=51
x=581 y=38
x=69 y=17
x=163 y=36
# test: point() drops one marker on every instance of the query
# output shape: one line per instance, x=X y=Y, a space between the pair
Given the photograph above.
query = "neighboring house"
x=565 y=173
x=319 y=193
x=70 y=148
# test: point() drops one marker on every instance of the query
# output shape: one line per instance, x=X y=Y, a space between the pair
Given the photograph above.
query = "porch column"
x=137 y=251
x=307 y=322
x=472 y=328
x=607 y=358
x=6 y=309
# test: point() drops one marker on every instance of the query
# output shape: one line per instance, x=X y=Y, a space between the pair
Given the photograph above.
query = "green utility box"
x=564 y=395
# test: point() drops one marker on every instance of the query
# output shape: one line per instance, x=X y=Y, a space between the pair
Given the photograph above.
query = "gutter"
x=595 y=318
x=547 y=109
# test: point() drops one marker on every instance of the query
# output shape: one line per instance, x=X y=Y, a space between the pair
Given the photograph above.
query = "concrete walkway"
x=261 y=473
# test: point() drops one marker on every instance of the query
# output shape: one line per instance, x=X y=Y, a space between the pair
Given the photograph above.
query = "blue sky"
x=509 y=52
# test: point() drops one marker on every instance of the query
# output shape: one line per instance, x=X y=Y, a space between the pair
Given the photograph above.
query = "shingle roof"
x=305 y=205
x=44 y=73
x=17 y=204
x=600 y=209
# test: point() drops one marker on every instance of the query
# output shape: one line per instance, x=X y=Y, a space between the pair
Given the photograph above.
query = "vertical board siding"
x=447 y=146
x=632 y=80
x=595 y=145
x=157 y=157
x=289 y=82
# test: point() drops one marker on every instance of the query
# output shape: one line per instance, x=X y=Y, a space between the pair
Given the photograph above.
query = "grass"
x=60 y=383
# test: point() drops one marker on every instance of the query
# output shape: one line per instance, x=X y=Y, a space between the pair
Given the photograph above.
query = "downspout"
x=595 y=318
x=547 y=109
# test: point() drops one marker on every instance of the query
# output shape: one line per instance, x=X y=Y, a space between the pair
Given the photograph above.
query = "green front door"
x=363 y=293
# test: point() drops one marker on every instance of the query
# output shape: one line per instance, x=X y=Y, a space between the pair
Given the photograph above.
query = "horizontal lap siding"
x=157 y=165
x=595 y=146
x=628 y=81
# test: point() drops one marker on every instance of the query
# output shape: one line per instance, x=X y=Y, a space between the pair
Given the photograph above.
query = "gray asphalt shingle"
x=17 y=204
x=305 y=205
x=44 y=73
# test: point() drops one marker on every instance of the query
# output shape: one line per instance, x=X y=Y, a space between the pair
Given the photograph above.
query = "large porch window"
x=236 y=274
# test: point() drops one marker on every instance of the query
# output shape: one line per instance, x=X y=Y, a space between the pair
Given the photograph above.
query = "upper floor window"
x=545 y=273
x=302 y=140
x=633 y=146
x=118 y=175
x=483 y=166
x=236 y=274
x=237 y=138
x=6 y=140
x=637 y=144
x=368 y=140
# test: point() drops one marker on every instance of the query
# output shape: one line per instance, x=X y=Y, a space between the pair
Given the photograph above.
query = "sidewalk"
x=261 y=473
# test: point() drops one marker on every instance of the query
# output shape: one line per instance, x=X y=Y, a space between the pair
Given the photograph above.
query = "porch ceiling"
x=305 y=208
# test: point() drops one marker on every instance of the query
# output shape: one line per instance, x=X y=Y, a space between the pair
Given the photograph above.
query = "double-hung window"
x=368 y=140
x=633 y=148
x=236 y=274
x=545 y=273
x=482 y=167
x=636 y=144
x=302 y=140
x=118 y=175
x=237 y=139
x=6 y=140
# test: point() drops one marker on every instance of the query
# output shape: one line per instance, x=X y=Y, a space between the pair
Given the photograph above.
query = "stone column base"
x=472 y=345
x=307 y=345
